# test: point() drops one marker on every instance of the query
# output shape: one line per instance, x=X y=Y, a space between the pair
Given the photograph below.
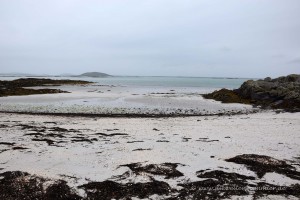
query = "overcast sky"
x=232 y=38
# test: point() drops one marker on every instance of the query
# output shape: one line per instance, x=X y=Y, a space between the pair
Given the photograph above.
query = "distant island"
x=95 y=74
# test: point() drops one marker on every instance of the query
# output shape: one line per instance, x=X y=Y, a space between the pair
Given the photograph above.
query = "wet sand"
x=175 y=154
x=121 y=100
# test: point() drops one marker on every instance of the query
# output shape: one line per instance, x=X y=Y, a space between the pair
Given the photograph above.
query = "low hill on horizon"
x=95 y=74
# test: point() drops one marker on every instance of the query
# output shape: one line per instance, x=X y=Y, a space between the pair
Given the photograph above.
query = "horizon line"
x=15 y=74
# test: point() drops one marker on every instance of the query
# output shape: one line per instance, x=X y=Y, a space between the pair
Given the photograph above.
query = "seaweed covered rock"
x=262 y=164
x=278 y=93
x=283 y=88
x=215 y=184
x=165 y=169
x=16 y=87
x=17 y=185
x=227 y=96
x=270 y=189
x=218 y=185
x=113 y=190
x=32 y=82
x=27 y=91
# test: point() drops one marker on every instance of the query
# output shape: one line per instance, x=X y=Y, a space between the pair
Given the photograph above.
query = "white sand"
x=275 y=135
x=120 y=100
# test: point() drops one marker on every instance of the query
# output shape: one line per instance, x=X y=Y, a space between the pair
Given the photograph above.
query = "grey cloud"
x=199 y=38
x=295 y=61
x=278 y=56
x=225 y=49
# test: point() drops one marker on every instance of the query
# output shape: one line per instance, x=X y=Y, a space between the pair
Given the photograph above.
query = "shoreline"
x=142 y=115
x=117 y=101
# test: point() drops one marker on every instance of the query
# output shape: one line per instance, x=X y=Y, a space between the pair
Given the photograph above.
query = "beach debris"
x=19 y=148
x=7 y=143
x=141 y=149
x=33 y=134
x=162 y=93
x=206 y=140
x=224 y=185
x=40 y=129
x=49 y=142
x=50 y=123
x=115 y=129
x=168 y=170
x=111 y=135
x=270 y=189
x=107 y=190
x=216 y=185
x=225 y=177
x=207 y=189
x=262 y=164
x=19 y=185
x=54 y=135
x=136 y=141
x=32 y=128
x=59 y=129
x=3 y=150
x=82 y=140
x=3 y=126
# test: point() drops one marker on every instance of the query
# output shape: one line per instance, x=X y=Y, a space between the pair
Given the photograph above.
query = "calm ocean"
x=158 y=81
x=170 y=81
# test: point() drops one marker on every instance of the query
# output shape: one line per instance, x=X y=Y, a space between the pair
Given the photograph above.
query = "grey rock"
x=283 y=91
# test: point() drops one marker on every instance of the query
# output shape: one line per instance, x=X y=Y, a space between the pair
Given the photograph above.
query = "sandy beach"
x=149 y=100
x=94 y=141
x=80 y=150
x=122 y=100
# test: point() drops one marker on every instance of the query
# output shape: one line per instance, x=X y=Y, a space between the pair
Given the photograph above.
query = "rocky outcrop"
x=278 y=93
x=227 y=96
x=16 y=87
x=22 y=185
x=32 y=82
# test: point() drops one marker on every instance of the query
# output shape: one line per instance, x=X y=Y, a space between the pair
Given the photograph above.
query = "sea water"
x=159 y=81
x=171 y=81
